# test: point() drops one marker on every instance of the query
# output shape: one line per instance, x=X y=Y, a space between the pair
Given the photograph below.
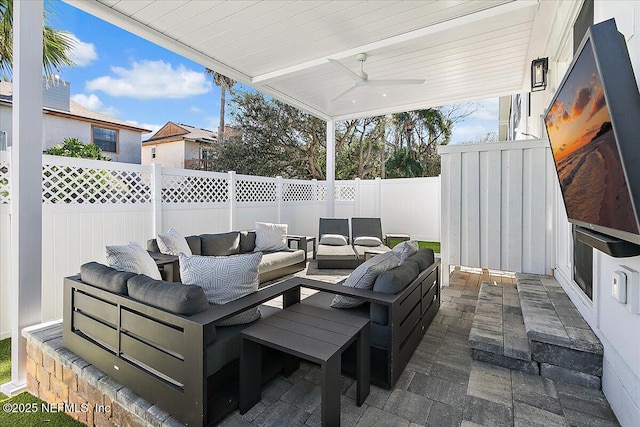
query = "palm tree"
x=401 y=164
x=225 y=83
x=56 y=45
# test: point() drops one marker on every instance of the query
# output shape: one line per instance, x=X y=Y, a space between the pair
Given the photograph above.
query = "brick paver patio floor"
x=441 y=386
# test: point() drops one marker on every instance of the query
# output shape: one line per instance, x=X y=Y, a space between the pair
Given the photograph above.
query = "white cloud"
x=194 y=110
x=152 y=80
x=82 y=53
x=488 y=110
x=150 y=126
x=93 y=103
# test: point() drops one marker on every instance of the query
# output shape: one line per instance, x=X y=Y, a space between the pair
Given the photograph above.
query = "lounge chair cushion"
x=247 y=241
x=220 y=244
x=367 y=241
x=271 y=237
x=328 y=252
x=361 y=250
x=132 y=258
x=275 y=260
x=424 y=258
x=172 y=243
x=364 y=276
x=104 y=277
x=406 y=249
x=169 y=296
x=224 y=279
x=333 y=240
x=226 y=348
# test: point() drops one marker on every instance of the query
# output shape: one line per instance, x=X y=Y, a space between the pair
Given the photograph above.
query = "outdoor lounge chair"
x=335 y=255
x=364 y=232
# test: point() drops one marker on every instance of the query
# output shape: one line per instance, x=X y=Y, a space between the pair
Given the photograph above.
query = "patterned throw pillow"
x=132 y=258
x=271 y=237
x=364 y=276
x=224 y=279
x=367 y=241
x=172 y=243
x=333 y=240
x=406 y=249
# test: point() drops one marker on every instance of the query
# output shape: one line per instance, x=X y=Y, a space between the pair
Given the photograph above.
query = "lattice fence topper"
x=194 y=189
x=297 y=192
x=345 y=193
x=321 y=193
x=5 y=190
x=255 y=191
x=80 y=185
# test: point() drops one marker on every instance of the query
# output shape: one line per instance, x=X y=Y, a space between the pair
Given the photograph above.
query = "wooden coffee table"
x=314 y=334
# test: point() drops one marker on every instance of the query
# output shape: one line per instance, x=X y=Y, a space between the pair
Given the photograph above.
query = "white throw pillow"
x=364 y=276
x=333 y=240
x=271 y=237
x=132 y=258
x=224 y=279
x=367 y=241
x=406 y=249
x=172 y=243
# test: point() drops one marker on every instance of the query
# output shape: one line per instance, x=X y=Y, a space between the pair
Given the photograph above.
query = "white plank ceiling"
x=463 y=49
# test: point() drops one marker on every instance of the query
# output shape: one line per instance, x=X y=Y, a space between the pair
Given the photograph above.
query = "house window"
x=106 y=139
x=153 y=152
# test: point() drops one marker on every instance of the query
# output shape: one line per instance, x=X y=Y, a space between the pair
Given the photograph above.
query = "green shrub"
x=73 y=147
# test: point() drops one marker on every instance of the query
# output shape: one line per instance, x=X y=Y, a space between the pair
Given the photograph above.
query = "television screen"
x=590 y=128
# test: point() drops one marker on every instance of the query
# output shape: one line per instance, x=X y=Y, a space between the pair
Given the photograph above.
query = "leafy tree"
x=73 y=147
x=225 y=83
x=402 y=164
x=56 y=44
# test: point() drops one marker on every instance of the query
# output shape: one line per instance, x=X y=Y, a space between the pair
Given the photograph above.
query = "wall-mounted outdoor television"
x=593 y=123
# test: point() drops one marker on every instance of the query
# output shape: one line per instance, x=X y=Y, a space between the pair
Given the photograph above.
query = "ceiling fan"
x=362 y=79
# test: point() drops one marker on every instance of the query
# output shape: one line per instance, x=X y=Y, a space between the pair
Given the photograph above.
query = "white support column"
x=232 y=199
x=279 y=197
x=26 y=184
x=357 y=198
x=378 y=182
x=331 y=169
x=314 y=197
x=156 y=197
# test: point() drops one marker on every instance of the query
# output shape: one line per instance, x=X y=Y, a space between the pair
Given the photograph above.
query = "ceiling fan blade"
x=398 y=82
x=346 y=70
x=346 y=91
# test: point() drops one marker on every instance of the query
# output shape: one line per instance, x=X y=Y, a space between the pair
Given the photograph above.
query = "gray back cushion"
x=194 y=244
x=104 y=277
x=334 y=226
x=424 y=258
x=247 y=241
x=220 y=244
x=371 y=227
x=192 y=241
x=152 y=245
x=169 y=296
x=395 y=280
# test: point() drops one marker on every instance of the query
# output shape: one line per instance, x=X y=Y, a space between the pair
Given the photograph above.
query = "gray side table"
x=313 y=334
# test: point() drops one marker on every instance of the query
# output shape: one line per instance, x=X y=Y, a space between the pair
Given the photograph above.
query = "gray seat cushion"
x=226 y=348
x=276 y=260
x=330 y=252
x=103 y=277
x=170 y=296
x=220 y=244
x=380 y=334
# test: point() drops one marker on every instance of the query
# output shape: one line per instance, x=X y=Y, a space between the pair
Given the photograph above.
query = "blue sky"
x=124 y=76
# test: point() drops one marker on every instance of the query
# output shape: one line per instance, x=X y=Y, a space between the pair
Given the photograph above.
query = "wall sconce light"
x=539 y=68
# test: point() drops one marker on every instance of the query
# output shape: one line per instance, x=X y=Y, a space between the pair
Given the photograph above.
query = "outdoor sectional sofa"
x=273 y=265
x=160 y=338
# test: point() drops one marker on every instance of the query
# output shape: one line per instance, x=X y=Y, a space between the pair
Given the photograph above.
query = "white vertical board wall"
x=495 y=210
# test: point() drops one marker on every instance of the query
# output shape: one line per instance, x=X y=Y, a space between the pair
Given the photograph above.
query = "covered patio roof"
x=463 y=49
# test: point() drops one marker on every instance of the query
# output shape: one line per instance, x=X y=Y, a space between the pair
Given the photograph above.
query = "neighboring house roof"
x=76 y=111
x=171 y=132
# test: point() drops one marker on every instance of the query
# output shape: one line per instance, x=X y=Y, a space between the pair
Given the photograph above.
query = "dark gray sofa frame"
x=162 y=356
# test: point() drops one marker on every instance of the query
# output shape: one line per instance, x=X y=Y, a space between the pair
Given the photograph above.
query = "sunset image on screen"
x=585 y=151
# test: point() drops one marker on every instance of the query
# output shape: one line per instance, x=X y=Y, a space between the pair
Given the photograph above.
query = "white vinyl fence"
x=88 y=204
x=497 y=206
